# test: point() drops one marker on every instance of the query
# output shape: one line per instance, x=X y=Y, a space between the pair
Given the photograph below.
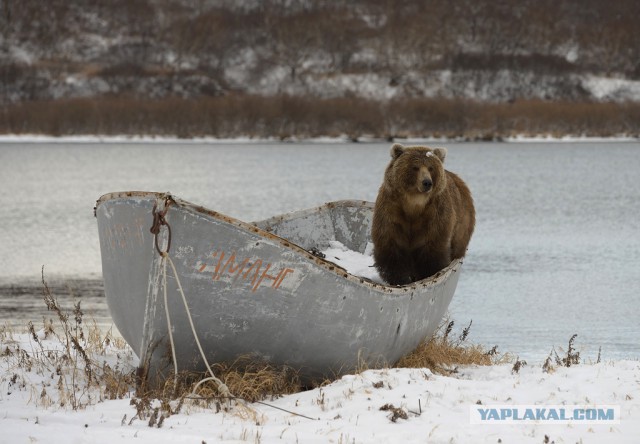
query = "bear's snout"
x=426 y=184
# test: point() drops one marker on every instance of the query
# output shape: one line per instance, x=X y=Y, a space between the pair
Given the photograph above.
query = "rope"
x=166 y=311
x=222 y=387
x=158 y=221
x=223 y=390
x=206 y=398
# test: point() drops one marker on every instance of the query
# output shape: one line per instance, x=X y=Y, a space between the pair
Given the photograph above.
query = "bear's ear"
x=440 y=153
x=396 y=150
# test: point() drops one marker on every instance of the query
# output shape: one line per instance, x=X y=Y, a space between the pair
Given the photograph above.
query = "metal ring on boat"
x=162 y=253
x=158 y=221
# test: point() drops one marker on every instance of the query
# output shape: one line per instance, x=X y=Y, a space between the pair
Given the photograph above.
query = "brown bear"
x=423 y=216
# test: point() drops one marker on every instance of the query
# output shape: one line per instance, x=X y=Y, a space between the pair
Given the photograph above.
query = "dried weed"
x=442 y=353
x=67 y=365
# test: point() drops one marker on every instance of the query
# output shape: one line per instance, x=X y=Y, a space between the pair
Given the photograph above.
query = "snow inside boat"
x=256 y=288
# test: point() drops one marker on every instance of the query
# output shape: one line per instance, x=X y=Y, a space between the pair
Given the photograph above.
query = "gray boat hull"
x=256 y=288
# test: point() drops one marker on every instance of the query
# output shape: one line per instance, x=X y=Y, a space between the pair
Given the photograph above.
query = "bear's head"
x=416 y=171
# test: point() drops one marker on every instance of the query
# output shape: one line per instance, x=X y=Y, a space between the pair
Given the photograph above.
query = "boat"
x=258 y=288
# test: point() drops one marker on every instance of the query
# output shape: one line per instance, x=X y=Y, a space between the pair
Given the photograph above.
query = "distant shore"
x=39 y=138
x=291 y=118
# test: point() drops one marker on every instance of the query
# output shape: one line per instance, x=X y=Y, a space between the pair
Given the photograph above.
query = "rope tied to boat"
x=222 y=387
x=160 y=209
x=159 y=220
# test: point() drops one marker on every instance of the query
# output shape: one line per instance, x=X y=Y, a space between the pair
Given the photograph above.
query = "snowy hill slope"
x=484 y=50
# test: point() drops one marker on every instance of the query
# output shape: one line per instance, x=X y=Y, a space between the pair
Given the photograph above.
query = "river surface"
x=556 y=250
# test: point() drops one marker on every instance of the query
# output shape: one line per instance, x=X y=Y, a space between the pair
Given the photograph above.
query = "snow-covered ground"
x=388 y=405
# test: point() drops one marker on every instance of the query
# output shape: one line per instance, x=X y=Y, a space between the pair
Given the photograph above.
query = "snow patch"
x=607 y=88
x=357 y=264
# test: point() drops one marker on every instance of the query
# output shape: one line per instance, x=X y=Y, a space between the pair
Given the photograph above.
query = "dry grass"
x=443 y=354
x=252 y=379
x=287 y=117
x=67 y=364
x=571 y=357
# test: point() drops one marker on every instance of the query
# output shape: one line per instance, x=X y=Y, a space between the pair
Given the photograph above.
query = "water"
x=556 y=250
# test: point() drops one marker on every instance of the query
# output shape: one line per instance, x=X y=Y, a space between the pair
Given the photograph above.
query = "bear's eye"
x=416 y=168
x=431 y=169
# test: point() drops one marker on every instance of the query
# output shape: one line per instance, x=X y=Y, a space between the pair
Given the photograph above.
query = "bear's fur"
x=423 y=217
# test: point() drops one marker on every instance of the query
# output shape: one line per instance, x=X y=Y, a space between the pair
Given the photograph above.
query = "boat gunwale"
x=285 y=243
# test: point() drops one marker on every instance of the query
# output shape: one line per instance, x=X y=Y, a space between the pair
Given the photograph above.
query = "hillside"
x=103 y=55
